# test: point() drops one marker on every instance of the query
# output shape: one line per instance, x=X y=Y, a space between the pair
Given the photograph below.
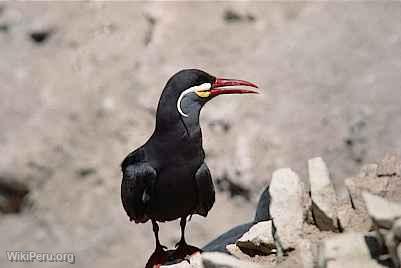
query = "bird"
x=167 y=177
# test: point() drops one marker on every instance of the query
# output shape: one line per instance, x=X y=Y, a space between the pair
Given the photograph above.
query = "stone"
x=287 y=206
x=258 y=238
x=230 y=237
x=353 y=263
x=397 y=229
x=323 y=195
x=221 y=260
x=344 y=209
x=377 y=180
x=366 y=181
x=262 y=209
x=235 y=251
x=350 y=219
x=393 y=192
x=391 y=244
x=399 y=251
x=390 y=166
x=345 y=212
x=348 y=246
x=355 y=187
x=383 y=212
x=307 y=206
x=307 y=253
x=383 y=179
x=303 y=256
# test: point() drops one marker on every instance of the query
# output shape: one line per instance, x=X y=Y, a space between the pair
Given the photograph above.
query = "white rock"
x=307 y=252
x=323 y=195
x=390 y=166
x=259 y=238
x=303 y=256
x=287 y=205
x=221 y=260
x=365 y=181
x=399 y=251
x=354 y=263
x=383 y=212
x=355 y=186
x=397 y=229
x=235 y=251
x=345 y=212
x=346 y=246
x=351 y=219
x=391 y=243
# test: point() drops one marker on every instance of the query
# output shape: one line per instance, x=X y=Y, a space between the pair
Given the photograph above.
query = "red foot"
x=162 y=257
x=158 y=258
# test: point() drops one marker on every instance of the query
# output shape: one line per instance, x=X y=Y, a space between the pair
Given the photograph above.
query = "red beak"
x=217 y=87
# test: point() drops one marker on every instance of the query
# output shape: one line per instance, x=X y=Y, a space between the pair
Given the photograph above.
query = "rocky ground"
x=80 y=84
x=322 y=228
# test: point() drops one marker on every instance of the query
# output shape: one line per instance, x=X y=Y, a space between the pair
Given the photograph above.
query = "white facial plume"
x=203 y=87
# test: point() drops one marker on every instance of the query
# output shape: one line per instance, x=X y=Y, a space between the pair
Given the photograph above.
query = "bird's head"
x=192 y=88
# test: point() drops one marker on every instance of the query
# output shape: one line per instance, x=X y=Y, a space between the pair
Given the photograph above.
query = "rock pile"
x=358 y=225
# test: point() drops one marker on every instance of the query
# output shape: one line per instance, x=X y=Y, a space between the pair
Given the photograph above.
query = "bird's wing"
x=136 y=190
x=205 y=188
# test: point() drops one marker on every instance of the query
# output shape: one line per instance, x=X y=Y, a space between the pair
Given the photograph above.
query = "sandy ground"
x=74 y=102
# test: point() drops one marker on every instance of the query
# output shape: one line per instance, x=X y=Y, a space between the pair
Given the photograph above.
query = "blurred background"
x=80 y=83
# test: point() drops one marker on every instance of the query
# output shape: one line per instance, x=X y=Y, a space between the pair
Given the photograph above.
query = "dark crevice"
x=231 y=16
x=340 y=227
x=377 y=250
x=12 y=195
x=352 y=201
x=40 y=37
x=4 y=28
x=252 y=252
x=85 y=172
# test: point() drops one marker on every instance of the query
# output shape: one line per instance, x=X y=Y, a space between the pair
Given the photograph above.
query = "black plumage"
x=167 y=177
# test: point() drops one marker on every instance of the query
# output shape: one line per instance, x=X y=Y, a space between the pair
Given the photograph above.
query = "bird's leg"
x=159 y=247
x=159 y=256
x=183 y=249
x=183 y=223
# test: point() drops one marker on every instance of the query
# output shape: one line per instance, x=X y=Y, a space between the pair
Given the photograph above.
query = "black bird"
x=167 y=178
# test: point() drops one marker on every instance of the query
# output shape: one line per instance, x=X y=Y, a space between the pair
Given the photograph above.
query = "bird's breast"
x=175 y=194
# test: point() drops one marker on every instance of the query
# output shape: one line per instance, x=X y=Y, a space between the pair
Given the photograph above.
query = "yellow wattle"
x=203 y=94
